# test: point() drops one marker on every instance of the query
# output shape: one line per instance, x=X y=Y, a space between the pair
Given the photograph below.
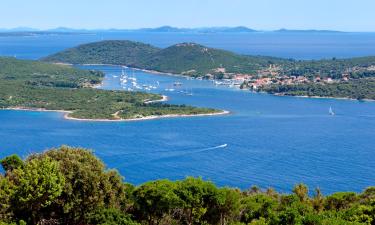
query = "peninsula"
x=344 y=78
x=35 y=85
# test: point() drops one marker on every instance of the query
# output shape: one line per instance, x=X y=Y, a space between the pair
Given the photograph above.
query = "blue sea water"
x=287 y=45
x=271 y=141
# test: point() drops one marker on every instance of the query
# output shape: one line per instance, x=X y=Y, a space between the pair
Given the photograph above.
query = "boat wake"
x=216 y=147
x=180 y=153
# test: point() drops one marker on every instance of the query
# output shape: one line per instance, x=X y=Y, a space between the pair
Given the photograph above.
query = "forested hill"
x=105 y=52
x=197 y=60
x=185 y=58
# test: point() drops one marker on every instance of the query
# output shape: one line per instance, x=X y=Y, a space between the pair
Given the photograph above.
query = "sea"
x=266 y=140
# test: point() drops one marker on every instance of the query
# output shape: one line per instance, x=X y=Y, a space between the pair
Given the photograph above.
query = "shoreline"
x=134 y=68
x=223 y=112
x=66 y=114
x=163 y=99
x=184 y=76
x=320 y=97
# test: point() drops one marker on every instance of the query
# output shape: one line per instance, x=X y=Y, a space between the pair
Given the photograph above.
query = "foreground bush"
x=72 y=186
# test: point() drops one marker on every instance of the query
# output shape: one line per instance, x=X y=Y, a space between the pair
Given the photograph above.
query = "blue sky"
x=345 y=15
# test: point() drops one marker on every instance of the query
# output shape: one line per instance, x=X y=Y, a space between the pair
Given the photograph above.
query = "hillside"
x=185 y=58
x=105 y=52
x=349 y=78
x=38 y=85
x=197 y=60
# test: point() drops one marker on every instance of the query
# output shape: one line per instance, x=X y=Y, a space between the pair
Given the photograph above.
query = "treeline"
x=354 y=89
x=72 y=186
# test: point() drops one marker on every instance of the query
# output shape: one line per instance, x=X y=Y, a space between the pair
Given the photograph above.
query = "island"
x=34 y=85
x=352 y=78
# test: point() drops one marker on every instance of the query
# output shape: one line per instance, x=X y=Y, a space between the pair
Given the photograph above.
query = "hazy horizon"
x=26 y=28
x=125 y=14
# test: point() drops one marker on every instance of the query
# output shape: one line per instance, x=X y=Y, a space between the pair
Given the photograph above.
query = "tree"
x=156 y=199
x=38 y=184
x=318 y=201
x=6 y=194
x=88 y=185
x=257 y=206
x=110 y=216
x=195 y=195
x=340 y=200
x=12 y=162
x=301 y=191
x=225 y=206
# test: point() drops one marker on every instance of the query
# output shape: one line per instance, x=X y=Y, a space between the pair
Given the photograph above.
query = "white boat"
x=223 y=146
x=331 y=112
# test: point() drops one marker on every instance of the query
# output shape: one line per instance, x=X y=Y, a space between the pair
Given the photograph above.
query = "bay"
x=271 y=141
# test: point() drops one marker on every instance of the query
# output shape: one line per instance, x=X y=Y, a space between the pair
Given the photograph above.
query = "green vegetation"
x=71 y=186
x=334 y=68
x=32 y=84
x=105 y=52
x=199 y=61
x=186 y=58
x=355 y=89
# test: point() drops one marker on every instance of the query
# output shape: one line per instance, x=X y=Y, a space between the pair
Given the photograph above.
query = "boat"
x=189 y=93
x=177 y=83
x=223 y=146
x=331 y=112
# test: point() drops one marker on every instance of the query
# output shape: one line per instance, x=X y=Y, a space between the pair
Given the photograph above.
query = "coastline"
x=134 y=68
x=320 y=97
x=163 y=99
x=66 y=113
x=184 y=76
x=223 y=112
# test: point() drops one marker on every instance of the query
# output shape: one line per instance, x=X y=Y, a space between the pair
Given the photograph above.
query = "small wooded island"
x=352 y=78
x=34 y=85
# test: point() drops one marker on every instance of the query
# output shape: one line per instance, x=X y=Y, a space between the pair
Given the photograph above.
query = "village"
x=274 y=75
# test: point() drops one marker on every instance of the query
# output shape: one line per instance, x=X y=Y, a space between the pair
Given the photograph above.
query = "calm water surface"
x=272 y=141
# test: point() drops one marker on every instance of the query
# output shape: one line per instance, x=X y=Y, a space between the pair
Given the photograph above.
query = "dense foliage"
x=333 y=68
x=355 y=89
x=105 y=52
x=197 y=60
x=31 y=84
x=186 y=58
x=72 y=186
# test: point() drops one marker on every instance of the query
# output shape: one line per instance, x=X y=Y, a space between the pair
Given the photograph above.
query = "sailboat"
x=331 y=112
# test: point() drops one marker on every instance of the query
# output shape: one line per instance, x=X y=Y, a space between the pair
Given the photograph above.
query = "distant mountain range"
x=163 y=29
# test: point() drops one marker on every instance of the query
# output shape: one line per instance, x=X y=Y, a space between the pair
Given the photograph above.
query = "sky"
x=344 y=15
